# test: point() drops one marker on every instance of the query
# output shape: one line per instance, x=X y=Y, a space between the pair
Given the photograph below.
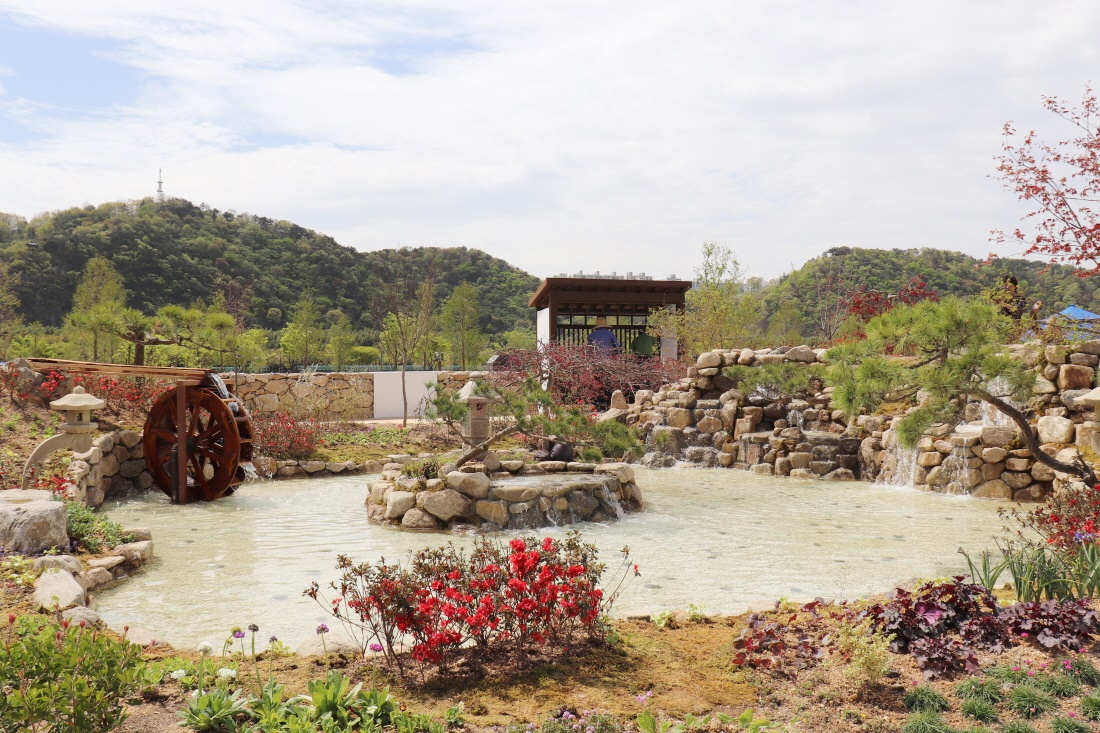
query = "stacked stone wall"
x=703 y=419
x=329 y=396
x=114 y=465
x=486 y=496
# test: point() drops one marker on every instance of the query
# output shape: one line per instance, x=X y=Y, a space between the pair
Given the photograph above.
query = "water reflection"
x=715 y=538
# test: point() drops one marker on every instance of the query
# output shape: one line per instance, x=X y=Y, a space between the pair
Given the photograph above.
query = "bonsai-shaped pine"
x=523 y=406
x=946 y=350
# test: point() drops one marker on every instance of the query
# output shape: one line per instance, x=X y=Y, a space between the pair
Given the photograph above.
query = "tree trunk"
x=404 y=399
x=139 y=353
x=1080 y=470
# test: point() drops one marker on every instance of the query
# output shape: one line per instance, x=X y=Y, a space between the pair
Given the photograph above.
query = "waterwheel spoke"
x=212 y=456
x=165 y=435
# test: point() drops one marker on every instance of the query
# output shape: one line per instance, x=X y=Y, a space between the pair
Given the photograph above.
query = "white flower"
x=179 y=674
x=227 y=674
x=206 y=648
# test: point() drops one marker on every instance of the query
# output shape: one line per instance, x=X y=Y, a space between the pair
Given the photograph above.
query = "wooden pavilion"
x=567 y=307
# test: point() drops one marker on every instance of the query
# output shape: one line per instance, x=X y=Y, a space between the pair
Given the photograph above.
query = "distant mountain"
x=799 y=293
x=173 y=252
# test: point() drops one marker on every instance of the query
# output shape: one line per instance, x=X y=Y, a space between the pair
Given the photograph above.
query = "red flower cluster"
x=498 y=599
x=1071 y=517
x=124 y=392
x=278 y=435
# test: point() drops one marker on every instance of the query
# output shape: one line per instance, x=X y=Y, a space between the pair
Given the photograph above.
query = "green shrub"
x=1090 y=707
x=926 y=721
x=980 y=688
x=1002 y=673
x=71 y=678
x=1063 y=724
x=94 y=532
x=1030 y=702
x=215 y=710
x=17 y=569
x=1058 y=685
x=427 y=468
x=979 y=710
x=924 y=698
x=1083 y=671
x=868 y=651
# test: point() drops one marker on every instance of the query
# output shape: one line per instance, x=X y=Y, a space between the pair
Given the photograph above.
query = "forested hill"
x=802 y=295
x=173 y=252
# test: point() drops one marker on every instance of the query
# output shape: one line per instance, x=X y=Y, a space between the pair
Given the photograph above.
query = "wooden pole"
x=181 y=443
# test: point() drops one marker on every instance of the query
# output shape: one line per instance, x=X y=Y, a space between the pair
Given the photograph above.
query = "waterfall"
x=954 y=468
x=609 y=503
x=796 y=419
x=899 y=466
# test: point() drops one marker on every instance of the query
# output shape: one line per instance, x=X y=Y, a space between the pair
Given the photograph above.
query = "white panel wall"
x=387 y=392
x=542 y=326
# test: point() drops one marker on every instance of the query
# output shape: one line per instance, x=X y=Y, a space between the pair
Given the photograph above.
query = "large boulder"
x=493 y=511
x=419 y=519
x=995 y=489
x=32 y=521
x=57 y=589
x=1054 y=429
x=802 y=353
x=398 y=503
x=473 y=485
x=447 y=504
x=1075 y=376
x=709 y=360
x=998 y=436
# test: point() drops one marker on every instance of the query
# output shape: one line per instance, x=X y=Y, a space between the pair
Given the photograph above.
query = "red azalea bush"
x=498 y=599
x=1071 y=517
x=124 y=393
x=279 y=435
x=580 y=374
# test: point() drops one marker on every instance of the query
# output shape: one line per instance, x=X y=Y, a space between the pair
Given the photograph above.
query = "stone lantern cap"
x=1091 y=399
x=77 y=401
x=468 y=393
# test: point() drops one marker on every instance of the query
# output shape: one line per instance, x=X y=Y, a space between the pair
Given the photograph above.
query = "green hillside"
x=804 y=295
x=173 y=253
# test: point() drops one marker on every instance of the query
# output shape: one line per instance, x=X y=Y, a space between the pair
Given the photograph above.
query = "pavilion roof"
x=579 y=294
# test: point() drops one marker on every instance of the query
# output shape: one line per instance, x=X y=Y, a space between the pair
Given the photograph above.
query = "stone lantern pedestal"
x=76 y=432
x=475 y=429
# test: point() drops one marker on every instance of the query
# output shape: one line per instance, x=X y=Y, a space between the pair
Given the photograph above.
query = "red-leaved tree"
x=1062 y=183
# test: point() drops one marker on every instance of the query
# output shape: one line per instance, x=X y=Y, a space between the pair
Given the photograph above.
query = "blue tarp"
x=1079 y=314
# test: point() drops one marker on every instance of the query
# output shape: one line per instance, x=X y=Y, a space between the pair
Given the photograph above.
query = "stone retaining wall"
x=336 y=395
x=454 y=381
x=114 y=465
x=498 y=495
x=703 y=419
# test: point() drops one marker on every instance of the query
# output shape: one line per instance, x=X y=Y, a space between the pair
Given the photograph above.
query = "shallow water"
x=714 y=538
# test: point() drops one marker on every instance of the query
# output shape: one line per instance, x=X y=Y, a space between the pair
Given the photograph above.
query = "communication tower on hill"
x=160 y=184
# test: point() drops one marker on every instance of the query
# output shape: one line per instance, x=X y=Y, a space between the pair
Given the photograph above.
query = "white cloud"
x=566 y=136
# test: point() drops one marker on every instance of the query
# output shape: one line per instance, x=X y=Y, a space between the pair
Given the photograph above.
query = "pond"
x=714 y=538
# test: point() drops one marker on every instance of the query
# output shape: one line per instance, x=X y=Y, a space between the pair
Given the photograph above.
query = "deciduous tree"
x=459 y=322
x=1061 y=182
x=303 y=339
x=719 y=312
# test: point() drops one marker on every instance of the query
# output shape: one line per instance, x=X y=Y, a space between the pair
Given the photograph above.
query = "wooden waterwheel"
x=198 y=419
x=217 y=440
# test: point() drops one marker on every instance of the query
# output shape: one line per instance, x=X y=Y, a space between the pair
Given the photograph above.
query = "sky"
x=569 y=136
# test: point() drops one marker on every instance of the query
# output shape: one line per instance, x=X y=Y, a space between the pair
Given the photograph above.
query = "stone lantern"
x=1088 y=432
x=77 y=407
x=76 y=432
x=476 y=426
